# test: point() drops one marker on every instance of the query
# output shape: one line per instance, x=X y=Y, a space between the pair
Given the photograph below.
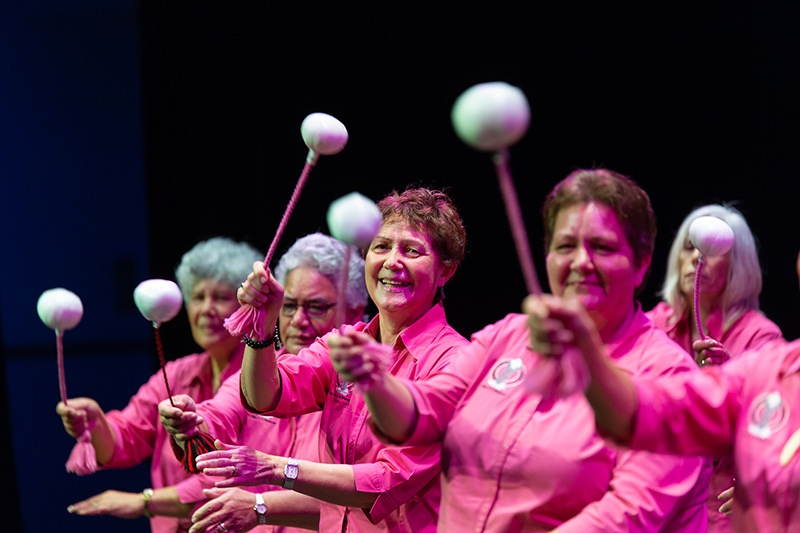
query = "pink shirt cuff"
x=369 y=478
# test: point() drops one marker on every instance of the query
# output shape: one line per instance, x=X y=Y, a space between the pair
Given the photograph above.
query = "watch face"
x=291 y=471
x=261 y=508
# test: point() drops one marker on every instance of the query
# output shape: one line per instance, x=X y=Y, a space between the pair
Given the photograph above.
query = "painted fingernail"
x=263 y=279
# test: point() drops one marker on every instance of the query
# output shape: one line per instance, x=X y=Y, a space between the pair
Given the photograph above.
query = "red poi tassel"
x=196 y=445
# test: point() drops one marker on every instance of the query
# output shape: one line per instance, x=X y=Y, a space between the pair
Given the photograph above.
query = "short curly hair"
x=218 y=258
x=621 y=194
x=434 y=213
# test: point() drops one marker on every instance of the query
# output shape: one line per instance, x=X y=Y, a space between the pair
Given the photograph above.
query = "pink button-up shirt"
x=512 y=461
x=229 y=422
x=750 y=332
x=406 y=477
x=748 y=407
x=140 y=435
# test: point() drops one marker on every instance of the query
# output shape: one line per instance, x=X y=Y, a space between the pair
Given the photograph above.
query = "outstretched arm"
x=358 y=358
x=555 y=323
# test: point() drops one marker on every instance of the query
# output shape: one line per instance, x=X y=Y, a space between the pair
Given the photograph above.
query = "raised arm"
x=261 y=384
x=556 y=323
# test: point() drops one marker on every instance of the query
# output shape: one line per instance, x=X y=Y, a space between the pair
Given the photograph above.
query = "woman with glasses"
x=310 y=272
x=362 y=484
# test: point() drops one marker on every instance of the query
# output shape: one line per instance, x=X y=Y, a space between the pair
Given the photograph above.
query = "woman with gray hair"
x=208 y=276
x=729 y=288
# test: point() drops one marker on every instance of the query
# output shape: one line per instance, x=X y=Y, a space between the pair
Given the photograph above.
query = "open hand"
x=241 y=466
x=111 y=502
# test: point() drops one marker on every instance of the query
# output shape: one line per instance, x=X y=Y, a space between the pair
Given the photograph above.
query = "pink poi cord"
x=514 y=214
x=342 y=304
x=700 y=262
x=82 y=460
x=553 y=376
x=248 y=318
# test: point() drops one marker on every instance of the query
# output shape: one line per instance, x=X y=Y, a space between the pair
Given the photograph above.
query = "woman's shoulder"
x=661 y=315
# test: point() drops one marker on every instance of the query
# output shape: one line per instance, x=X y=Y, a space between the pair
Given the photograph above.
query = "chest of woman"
x=766 y=455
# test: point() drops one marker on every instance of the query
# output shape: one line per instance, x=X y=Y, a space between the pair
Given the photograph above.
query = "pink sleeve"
x=396 y=475
x=692 y=413
x=437 y=396
x=223 y=413
x=645 y=491
x=135 y=427
x=190 y=490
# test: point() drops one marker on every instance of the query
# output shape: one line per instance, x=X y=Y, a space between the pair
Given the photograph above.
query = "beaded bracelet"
x=260 y=345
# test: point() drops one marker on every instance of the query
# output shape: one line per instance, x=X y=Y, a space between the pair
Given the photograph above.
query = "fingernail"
x=70 y=508
x=263 y=279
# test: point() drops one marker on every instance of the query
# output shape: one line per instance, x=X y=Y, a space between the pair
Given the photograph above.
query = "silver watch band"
x=290 y=472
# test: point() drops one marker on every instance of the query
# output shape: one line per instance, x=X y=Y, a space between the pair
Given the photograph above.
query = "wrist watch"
x=261 y=510
x=290 y=473
x=147 y=493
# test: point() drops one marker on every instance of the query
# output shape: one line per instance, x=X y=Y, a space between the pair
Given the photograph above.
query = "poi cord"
x=247 y=317
x=82 y=460
x=514 y=214
x=160 y=349
x=698 y=322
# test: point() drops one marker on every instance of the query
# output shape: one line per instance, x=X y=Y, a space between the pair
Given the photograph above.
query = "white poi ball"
x=323 y=134
x=711 y=236
x=491 y=116
x=159 y=300
x=354 y=219
x=59 y=309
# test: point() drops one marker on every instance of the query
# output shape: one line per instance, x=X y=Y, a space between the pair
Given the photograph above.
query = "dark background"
x=131 y=130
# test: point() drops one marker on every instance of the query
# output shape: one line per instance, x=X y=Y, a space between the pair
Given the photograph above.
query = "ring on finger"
x=222 y=527
x=233 y=472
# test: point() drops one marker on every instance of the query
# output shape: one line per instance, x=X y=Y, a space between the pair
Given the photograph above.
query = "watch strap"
x=147 y=493
x=260 y=509
x=290 y=472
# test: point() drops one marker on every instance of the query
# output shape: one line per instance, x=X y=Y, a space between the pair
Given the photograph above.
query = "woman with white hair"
x=208 y=276
x=729 y=288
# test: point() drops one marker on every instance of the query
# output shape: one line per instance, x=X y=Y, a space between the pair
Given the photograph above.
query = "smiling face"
x=713 y=278
x=307 y=291
x=210 y=303
x=403 y=272
x=590 y=259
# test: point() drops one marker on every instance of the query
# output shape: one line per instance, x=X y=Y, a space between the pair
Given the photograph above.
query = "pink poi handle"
x=514 y=214
x=700 y=262
x=247 y=317
x=342 y=304
x=62 y=381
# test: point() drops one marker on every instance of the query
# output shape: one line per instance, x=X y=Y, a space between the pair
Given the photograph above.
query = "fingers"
x=726 y=495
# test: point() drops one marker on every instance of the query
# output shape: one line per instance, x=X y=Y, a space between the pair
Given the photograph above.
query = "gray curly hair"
x=326 y=255
x=218 y=258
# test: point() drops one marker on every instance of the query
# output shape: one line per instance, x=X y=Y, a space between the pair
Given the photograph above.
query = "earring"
x=441 y=292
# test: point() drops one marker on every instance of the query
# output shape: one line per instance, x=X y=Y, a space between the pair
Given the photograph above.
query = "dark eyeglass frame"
x=312 y=309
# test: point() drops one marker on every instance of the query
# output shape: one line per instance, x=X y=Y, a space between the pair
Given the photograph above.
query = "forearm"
x=331 y=483
x=261 y=382
x=611 y=394
x=165 y=502
x=392 y=408
x=292 y=509
x=103 y=440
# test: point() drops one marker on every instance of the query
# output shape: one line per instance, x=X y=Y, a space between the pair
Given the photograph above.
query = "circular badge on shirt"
x=506 y=373
x=767 y=415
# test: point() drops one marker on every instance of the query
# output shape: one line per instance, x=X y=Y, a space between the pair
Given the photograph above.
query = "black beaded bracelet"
x=260 y=345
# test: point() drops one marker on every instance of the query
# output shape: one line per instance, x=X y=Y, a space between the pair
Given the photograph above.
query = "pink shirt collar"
x=200 y=371
x=418 y=336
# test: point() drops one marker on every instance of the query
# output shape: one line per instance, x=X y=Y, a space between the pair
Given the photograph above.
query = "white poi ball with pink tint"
x=491 y=116
x=59 y=309
x=710 y=235
x=354 y=219
x=323 y=134
x=159 y=300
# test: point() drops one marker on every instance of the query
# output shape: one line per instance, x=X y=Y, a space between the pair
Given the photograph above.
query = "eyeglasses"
x=312 y=309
